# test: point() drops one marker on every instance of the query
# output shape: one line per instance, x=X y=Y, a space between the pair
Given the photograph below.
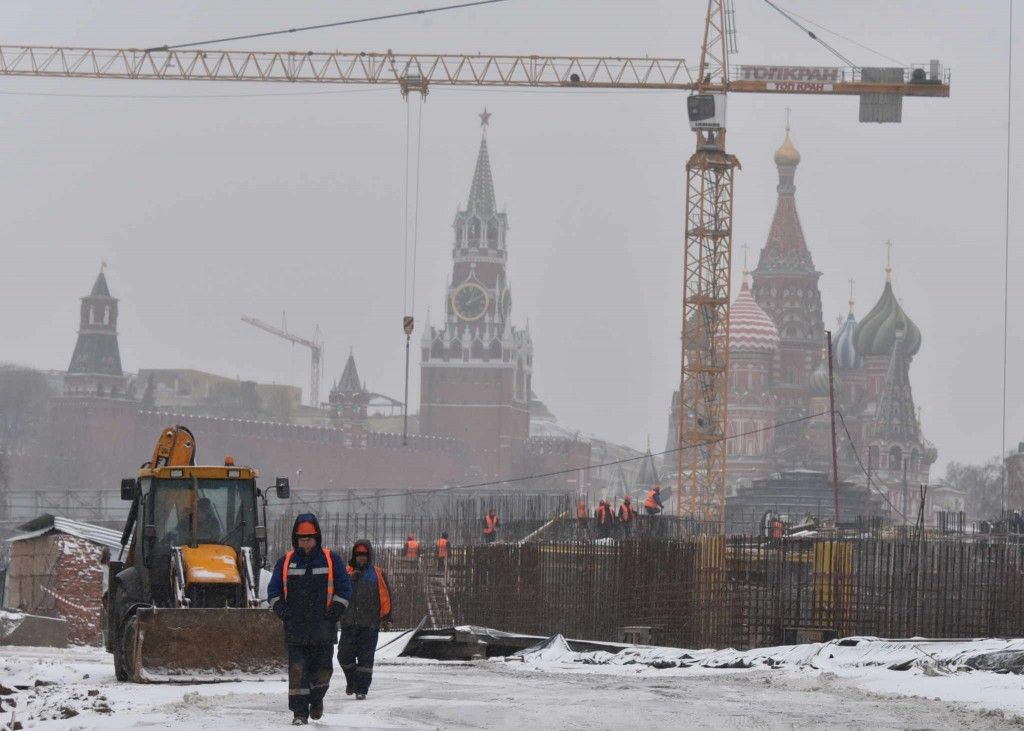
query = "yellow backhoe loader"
x=183 y=600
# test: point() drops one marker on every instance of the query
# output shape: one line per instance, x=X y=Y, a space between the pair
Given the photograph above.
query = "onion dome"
x=787 y=154
x=750 y=328
x=876 y=333
x=818 y=381
x=842 y=345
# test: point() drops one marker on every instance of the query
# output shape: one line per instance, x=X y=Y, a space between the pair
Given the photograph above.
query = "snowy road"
x=419 y=694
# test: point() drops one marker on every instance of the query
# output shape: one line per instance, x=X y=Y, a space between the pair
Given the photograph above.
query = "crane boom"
x=417 y=71
x=316 y=351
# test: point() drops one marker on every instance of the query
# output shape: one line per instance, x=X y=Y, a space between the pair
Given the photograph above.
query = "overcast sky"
x=209 y=201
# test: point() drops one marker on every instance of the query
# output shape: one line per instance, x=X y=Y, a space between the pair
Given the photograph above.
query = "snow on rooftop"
x=47 y=523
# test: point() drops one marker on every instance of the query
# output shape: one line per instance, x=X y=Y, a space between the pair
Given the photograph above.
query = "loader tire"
x=127 y=651
x=117 y=650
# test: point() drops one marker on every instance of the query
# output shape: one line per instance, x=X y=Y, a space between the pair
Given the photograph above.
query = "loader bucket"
x=204 y=645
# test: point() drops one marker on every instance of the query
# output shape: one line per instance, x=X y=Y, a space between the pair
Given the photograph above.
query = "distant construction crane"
x=316 y=352
x=706 y=296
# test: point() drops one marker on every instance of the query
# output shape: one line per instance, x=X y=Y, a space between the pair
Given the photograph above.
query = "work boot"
x=349 y=690
x=316 y=709
x=299 y=720
x=360 y=696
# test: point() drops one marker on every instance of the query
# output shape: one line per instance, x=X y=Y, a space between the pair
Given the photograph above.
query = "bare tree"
x=983 y=484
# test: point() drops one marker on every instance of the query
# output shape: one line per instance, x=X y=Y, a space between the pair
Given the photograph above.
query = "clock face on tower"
x=470 y=301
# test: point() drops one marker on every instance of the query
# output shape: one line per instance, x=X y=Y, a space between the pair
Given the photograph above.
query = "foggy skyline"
x=209 y=201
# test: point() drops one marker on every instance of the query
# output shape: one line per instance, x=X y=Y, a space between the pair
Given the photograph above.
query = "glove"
x=335 y=611
x=281 y=610
x=386 y=625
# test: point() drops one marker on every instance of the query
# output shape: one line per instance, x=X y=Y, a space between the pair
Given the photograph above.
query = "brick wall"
x=59 y=575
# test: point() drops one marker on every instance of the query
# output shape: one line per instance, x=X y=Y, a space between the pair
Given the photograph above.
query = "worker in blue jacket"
x=309 y=590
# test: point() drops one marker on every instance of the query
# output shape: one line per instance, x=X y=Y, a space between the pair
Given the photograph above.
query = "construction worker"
x=581 y=518
x=368 y=613
x=442 y=551
x=491 y=524
x=605 y=519
x=652 y=503
x=412 y=548
x=626 y=516
x=309 y=591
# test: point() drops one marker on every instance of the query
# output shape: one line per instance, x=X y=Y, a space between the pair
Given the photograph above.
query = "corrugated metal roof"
x=46 y=523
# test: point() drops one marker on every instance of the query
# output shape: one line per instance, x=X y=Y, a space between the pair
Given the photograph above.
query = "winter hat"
x=305 y=528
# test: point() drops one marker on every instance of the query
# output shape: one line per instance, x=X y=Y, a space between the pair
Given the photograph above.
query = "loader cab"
x=197 y=508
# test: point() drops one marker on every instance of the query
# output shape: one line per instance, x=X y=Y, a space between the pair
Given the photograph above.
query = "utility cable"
x=581 y=468
x=869 y=49
x=867 y=474
x=320 y=26
x=405 y=246
x=416 y=207
x=407 y=317
x=810 y=33
x=1006 y=243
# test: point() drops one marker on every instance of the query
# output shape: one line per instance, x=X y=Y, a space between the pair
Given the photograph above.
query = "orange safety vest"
x=442 y=548
x=649 y=501
x=626 y=512
x=581 y=510
x=777 y=528
x=604 y=514
x=382 y=591
x=490 y=524
x=330 y=575
x=412 y=549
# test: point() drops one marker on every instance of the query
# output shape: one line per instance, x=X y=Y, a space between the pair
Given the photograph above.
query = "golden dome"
x=787 y=154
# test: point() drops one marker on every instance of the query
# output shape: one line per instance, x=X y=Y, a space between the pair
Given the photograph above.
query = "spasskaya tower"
x=475 y=369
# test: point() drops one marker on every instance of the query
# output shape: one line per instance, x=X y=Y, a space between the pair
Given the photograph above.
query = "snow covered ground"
x=556 y=689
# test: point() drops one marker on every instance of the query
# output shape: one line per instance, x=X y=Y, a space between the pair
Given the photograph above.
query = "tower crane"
x=701 y=426
x=316 y=352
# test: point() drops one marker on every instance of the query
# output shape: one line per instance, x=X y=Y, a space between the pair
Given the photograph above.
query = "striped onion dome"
x=819 y=379
x=842 y=345
x=750 y=328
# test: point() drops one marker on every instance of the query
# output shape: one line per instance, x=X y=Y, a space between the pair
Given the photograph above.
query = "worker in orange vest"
x=581 y=517
x=491 y=524
x=442 y=551
x=368 y=613
x=412 y=548
x=652 y=503
x=309 y=591
x=626 y=515
x=605 y=519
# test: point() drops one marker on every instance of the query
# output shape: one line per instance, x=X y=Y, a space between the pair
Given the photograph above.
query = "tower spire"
x=851 y=297
x=481 y=191
x=888 y=261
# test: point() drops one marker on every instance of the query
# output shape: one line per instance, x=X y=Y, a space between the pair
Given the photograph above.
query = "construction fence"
x=714 y=591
